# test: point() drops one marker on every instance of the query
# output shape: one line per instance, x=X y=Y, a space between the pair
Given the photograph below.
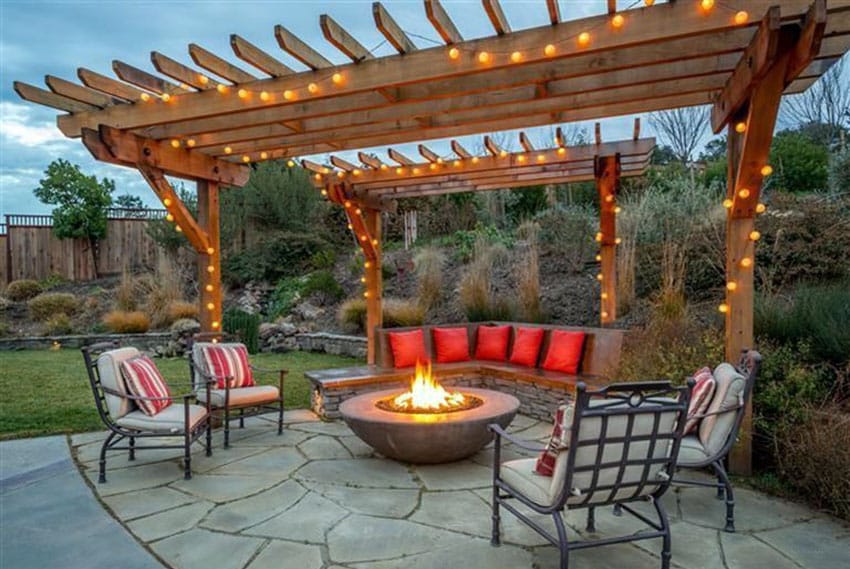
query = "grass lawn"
x=45 y=392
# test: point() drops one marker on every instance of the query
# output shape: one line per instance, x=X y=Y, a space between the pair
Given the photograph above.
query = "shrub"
x=277 y=255
x=814 y=458
x=567 y=231
x=352 y=314
x=428 y=263
x=475 y=290
x=799 y=164
x=245 y=326
x=52 y=281
x=322 y=284
x=50 y=304
x=127 y=292
x=399 y=313
x=21 y=290
x=324 y=259
x=285 y=295
x=4 y=329
x=180 y=309
x=127 y=322
x=58 y=325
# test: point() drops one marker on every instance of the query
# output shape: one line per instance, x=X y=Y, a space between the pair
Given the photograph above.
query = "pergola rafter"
x=739 y=56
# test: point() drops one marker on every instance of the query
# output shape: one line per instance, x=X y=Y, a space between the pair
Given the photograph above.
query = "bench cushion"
x=241 y=397
x=109 y=372
x=492 y=343
x=169 y=421
x=451 y=344
x=408 y=348
x=564 y=353
x=714 y=430
x=527 y=342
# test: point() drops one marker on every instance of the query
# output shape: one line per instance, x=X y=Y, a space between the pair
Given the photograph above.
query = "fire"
x=426 y=394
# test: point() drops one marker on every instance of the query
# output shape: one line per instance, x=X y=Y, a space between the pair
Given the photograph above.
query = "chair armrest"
x=140 y=398
x=503 y=434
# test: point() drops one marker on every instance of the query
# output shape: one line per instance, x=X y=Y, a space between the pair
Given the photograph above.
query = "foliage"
x=839 y=172
x=399 y=313
x=128 y=201
x=23 y=289
x=38 y=396
x=323 y=285
x=278 y=254
x=245 y=326
x=285 y=295
x=52 y=281
x=429 y=263
x=799 y=164
x=81 y=201
x=567 y=231
x=50 y=304
x=58 y=325
x=181 y=309
x=4 y=329
x=325 y=259
x=126 y=322
x=816 y=314
x=475 y=290
x=524 y=203
x=352 y=314
x=164 y=233
x=463 y=243
x=529 y=306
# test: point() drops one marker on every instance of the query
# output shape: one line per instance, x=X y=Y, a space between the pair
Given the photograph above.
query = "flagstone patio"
x=318 y=498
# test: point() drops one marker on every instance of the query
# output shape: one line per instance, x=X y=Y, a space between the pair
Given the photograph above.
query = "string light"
x=169 y=217
x=209 y=288
x=289 y=95
x=145 y=97
x=706 y=5
x=290 y=163
x=166 y=202
x=541 y=158
x=178 y=229
x=761 y=208
x=366 y=294
x=516 y=57
x=562 y=151
x=584 y=39
x=454 y=53
x=210 y=306
x=604 y=296
x=727 y=203
x=358 y=211
x=384 y=167
x=175 y=143
x=475 y=159
x=221 y=88
x=374 y=242
x=521 y=158
x=210 y=269
x=264 y=155
x=503 y=154
x=399 y=171
x=227 y=150
x=363 y=280
x=242 y=93
x=190 y=143
x=312 y=88
x=367 y=265
x=264 y=96
x=746 y=262
x=731 y=286
x=618 y=240
x=609 y=198
x=210 y=250
x=740 y=127
x=215 y=325
x=350 y=227
x=246 y=158
x=432 y=166
x=766 y=170
x=456 y=163
x=319 y=177
x=743 y=193
x=356 y=172
x=741 y=17
x=599 y=277
x=203 y=79
x=649 y=2
x=549 y=50
x=347 y=204
x=483 y=57
x=618 y=209
x=337 y=78
x=599 y=236
x=724 y=308
x=165 y=97
x=618 y=20
x=598 y=257
x=604 y=314
x=340 y=174
x=755 y=235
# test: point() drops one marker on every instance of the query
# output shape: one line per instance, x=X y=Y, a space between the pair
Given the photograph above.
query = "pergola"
x=206 y=122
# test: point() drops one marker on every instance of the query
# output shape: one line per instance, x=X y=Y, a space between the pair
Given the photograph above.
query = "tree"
x=799 y=164
x=129 y=201
x=827 y=103
x=81 y=203
x=681 y=129
x=165 y=233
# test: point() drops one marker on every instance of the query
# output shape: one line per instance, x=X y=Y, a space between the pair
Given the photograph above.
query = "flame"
x=427 y=394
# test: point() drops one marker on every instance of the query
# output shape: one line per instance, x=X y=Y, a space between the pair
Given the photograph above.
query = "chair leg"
x=721 y=486
x=187 y=455
x=209 y=436
x=101 y=477
x=242 y=419
x=227 y=427
x=132 y=451
x=618 y=510
x=495 y=537
x=730 y=496
x=666 y=548
x=280 y=418
x=563 y=545
x=591 y=520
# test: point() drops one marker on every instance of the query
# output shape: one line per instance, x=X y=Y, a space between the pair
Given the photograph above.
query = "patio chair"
x=715 y=437
x=622 y=448
x=224 y=398
x=119 y=412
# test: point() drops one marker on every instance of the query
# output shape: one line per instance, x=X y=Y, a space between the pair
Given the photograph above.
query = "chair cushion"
x=451 y=345
x=109 y=372
x=559 y=441
x=144 y=380
x=240 y=397
x=408 y=348
x=492 y=343
x=700 y=398
x=519 y=474
x=714 y=430
x=691 y=452
x=226 y=360
x=170 y=420
x=564 y=353
x=526 y=348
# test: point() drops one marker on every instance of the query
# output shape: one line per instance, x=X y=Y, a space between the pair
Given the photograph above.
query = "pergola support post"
x=209 y=260
x=374 y=283
x=607 y=173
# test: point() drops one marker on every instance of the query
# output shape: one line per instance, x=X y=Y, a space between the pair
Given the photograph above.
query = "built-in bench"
x=539 y=390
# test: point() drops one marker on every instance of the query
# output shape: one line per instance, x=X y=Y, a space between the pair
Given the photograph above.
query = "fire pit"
x=428 y=424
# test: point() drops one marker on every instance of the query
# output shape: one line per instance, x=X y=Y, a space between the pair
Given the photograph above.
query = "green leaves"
x=81 y=201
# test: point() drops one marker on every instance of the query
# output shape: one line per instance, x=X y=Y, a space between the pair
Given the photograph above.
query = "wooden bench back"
x=601 y=356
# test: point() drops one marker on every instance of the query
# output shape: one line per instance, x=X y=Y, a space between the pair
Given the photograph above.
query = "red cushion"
x=492 y=343
x=408 y=348
x=228 y=360
x=451 y=345
x=564 y=352
x=143 y=379
x=526 y=346
x=701 y=396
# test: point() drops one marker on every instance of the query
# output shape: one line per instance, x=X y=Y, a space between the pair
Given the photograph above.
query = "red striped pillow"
x=224 y=361
x=700 y=398
x=143 y=379
x=560 y=439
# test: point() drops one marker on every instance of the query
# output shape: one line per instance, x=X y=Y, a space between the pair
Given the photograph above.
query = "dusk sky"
x=42 y=37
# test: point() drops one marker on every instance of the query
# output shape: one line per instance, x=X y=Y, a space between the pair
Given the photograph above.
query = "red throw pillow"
x=451 y=345
x=560 y=440
x=143 y=379
x=228 y=360
x=492 y=343
x=564 y=352
x=526 y=346
x=701 y=396
x=408 y=348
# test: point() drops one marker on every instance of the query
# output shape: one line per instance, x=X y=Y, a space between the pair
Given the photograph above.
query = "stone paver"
x=319 y=498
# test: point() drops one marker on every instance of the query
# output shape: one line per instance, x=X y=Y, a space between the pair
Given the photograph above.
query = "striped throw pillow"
x=143 y=379
x=228 y=361
x=700 y=398
x=560 y=440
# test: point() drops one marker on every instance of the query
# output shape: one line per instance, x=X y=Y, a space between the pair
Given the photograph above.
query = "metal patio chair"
x=623 y=445
x=119 y=412
x=714 y=440
x=244 y=401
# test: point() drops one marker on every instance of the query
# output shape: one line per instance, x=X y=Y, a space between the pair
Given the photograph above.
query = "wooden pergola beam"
x=391 y=30
x=607 y=174
x=493 y=147
x=809 y=43
x=294 y=46
x=342 y=40
x=428 y=154
x=444 y=26
x=78 y=92
x=459 y=150
x=155 y=177
x=108 y=85
x=145 y=80
x=41 y=96
x=496 y=16
x=182 y=73
x=525 y=142
x=343 y=164
x=399 y=157
x=554 y=11
x=371 y=161
x=251 y=54
x=215 y=64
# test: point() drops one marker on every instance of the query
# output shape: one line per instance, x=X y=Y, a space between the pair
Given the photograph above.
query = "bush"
x=180 y=309
x=21 y=290
x=399 y=313
x=127 y=322
x=245 y=326
x=58 y=325
x=814 y=458
x=280 y=254
x=285 y=295
x=528 y=274
x=352 y=314
x=799 y=163
x=428 y=263
x=475 y=290
x=52 y=281
x=50 y=304
x=322 y=284
x=4 y=329
x=568 y=232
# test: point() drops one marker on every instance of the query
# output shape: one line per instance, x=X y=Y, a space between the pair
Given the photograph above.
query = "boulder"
x=308 y=311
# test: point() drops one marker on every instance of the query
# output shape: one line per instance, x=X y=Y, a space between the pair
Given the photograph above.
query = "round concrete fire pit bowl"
x=428 y=438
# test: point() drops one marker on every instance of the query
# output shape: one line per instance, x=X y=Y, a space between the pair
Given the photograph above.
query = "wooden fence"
x=32 y=251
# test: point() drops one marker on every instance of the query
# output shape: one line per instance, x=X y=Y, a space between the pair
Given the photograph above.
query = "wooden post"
x=209 y=261
x=374 y=283
x=607 y=181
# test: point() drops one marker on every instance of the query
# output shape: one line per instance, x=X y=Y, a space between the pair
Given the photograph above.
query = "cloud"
x=20 y=126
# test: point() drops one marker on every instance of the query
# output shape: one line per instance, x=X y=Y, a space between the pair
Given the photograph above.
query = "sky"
x=55 y=37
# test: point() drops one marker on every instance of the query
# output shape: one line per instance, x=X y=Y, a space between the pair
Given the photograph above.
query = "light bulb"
x=741 y=17
x=562 y=151
x=599 y=257
x=649 y=2
x=618 y=20
x=541 y=158
x=475 y=159
x=740 y=127
x=221 y=88
x=209 y=288
x=246 y=158
x=755 y=235
x=169 y=217
x=516 y=57
x=367 y=265
x=264 y=155
x=165 y=97
x=727 y=203
x=454 y=53
x=618 y=209
x=166 y=202
x=599 y=236
x=190 y=143
x=761 y=208
x=583 y=39
x=746 y=262
x=456 y=163
x=312 y=88
x=264 y=96
x=227 y=150
x=604 y=314
x=178 y=229
x=604 y=296
x=743 y=193
x=210 y=250
x=483 y=57
x=145 y=97
x=618 y=240
x=215 y=325
x=210 y=306
x=289 y=95
x=599 y=277
x=724 y=308
x=706 y=4
x=290 y=163
x=766 y=170
x=521 y=158
x=731 y=285
x=366 y=294
x=243 y=94
x=337 y=78
x=210 y=269
x=175 y=143
x=549 y=50
x=203 y=79
x=609 y=198
x=503 y=153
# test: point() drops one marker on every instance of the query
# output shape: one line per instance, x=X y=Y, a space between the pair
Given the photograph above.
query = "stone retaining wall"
x=535 y=400
x=336 y=344
x=147 y=342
